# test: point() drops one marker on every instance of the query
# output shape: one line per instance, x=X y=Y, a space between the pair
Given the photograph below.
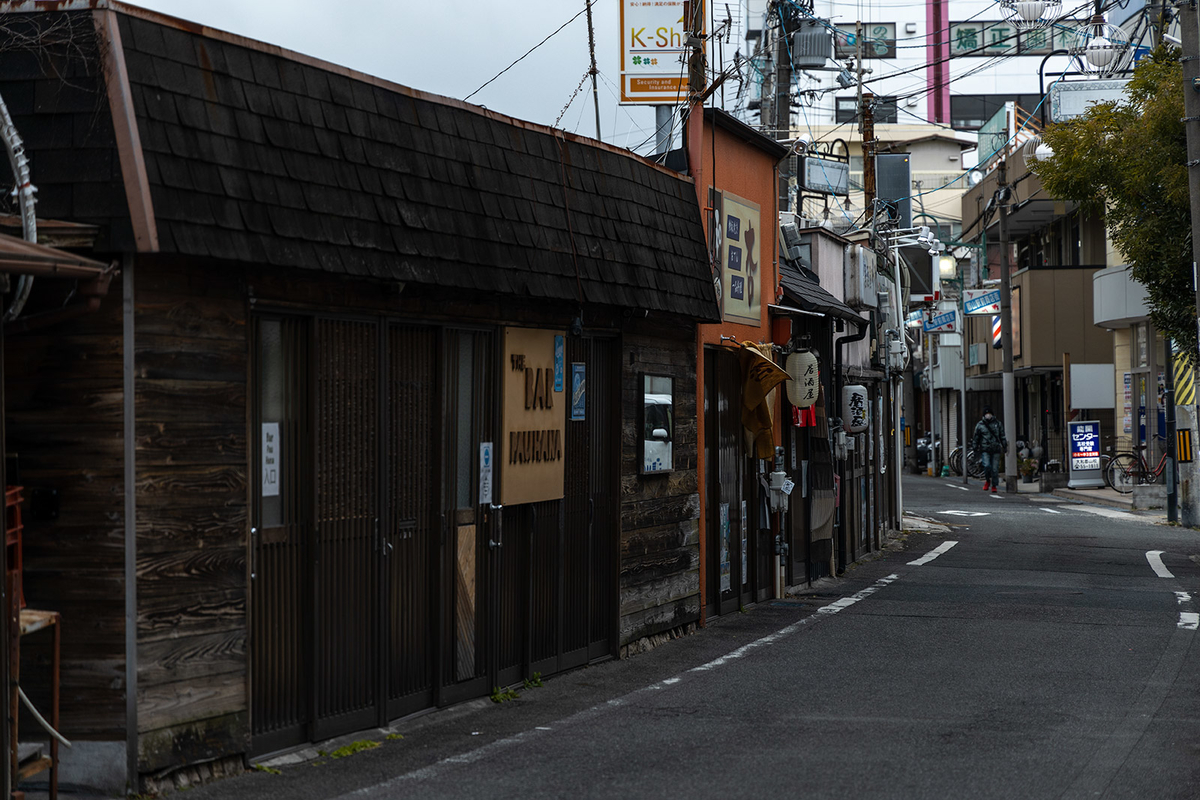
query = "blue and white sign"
x=560 y=350
x=981 y=301
x=485 y=473
x=1084 y=455
x=578 y=391
x=942 y=323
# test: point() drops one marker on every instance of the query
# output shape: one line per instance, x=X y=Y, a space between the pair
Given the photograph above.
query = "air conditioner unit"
x=859 y=269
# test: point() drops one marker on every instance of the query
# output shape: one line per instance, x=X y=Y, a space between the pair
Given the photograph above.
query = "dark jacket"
x=989 y=437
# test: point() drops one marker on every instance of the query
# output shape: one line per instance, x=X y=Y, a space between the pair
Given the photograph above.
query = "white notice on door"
x=270 y=459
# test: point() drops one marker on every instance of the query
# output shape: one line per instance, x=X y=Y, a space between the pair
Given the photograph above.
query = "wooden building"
x=365 y=427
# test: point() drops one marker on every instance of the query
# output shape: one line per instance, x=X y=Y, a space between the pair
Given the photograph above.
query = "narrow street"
x=1038 y=648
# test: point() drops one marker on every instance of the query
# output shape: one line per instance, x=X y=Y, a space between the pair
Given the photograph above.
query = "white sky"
x=451 y=49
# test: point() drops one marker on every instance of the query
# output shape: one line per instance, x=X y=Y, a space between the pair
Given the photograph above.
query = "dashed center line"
x=1156 y=564
x=932 y=554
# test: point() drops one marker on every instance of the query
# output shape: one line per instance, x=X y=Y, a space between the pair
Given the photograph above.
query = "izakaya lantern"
x=856 y=411
x=804 y=379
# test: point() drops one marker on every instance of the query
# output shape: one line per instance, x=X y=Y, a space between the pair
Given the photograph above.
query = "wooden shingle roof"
x=254 y=156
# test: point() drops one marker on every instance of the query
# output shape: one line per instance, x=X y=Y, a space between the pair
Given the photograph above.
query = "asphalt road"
x=1035 y=650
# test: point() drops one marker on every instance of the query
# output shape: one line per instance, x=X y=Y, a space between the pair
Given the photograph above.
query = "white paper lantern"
x=856 y=410
x=804 y=381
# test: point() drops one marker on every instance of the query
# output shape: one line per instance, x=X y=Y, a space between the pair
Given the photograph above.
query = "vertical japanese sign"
x=654 y=51
x=485 y=473
x=726 y=570
x=578 y=391
x=1127 y=408
x=740 y=259
x=1084 y=454
x=270 y=459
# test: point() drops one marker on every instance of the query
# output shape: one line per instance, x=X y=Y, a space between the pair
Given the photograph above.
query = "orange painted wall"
x=732 y=165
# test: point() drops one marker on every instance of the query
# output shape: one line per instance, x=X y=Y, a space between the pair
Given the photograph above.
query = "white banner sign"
x=981 y=301
x=942 y=323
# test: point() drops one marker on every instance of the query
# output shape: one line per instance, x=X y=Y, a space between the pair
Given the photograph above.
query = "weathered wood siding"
x=64 y=398
x=191 y=361
x=660 y=515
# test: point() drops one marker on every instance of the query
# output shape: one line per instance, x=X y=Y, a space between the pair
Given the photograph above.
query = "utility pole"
x=593 y=70
x=1172 y=456
x=1008 y=382
x=1189 y=35
x=782 y=119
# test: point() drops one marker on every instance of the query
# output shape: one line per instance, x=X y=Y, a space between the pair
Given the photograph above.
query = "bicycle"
x=974 y=467
x=1126 y=470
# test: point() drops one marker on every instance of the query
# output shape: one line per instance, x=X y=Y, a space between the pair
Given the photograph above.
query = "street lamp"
x=1031 y=15
x=1099 y=48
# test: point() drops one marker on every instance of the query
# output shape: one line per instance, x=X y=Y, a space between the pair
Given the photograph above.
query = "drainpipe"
x=863 y=327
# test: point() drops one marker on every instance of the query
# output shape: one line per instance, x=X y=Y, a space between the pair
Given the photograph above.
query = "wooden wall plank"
x=222 y=403
x=191 y=658
x=171 y=705
x=194 y=742
x=191 y=572
x=190 y=443
x=172 y=616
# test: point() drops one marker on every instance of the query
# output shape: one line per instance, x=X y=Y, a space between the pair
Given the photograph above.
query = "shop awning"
x=808 y=294
x=26 y=258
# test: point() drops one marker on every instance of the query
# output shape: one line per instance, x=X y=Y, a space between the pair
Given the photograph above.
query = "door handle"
x=253 y=553
x=498 y=526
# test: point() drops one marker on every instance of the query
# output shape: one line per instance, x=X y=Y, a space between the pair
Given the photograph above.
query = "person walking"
x=989 y=441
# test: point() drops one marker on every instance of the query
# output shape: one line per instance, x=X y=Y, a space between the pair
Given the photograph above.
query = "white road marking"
x=1111 y=513
x=1183 y=597
x=1189 y=620
x=995 y=496
x=1051 y=511
x=1156 y=564
x=433 y=770
x=964 y=513
x=932 y=554
x=956 y=486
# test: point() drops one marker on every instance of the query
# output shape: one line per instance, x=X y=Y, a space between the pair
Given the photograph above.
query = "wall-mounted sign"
x=1070 y=99
x=826 y=176
x=654 y=51
x=1084 y=455
x=559 y=357
x=946 y=322
x=534 y=417
x=740 y=259
x=270 y=459
x=485 y=473
x=578 y=391
x=981 y=301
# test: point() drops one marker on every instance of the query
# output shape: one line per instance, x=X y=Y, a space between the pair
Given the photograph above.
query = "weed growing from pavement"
x=534 y=682
x=355 y=747
x=391 y=737
x=266 y=769
x=501 y=695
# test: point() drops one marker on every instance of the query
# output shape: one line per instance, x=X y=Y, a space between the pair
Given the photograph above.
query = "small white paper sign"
x=270 y=459
x=787 y=487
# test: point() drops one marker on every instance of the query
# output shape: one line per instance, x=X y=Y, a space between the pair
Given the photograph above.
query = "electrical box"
x=860 y=279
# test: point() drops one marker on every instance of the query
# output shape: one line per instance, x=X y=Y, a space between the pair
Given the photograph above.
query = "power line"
x=587 y=6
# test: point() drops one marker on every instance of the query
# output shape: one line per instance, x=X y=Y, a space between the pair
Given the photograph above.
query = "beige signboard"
x=741 y=260
x=654 y=51
x=531 y=447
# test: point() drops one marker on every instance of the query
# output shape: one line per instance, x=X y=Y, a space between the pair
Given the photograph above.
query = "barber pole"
x=996 y=333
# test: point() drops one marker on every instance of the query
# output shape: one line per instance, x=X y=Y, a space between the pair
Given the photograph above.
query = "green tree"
x=1128 y=161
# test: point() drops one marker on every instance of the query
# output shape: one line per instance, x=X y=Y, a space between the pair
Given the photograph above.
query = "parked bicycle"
x=1126 y=470
x=974 y=467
